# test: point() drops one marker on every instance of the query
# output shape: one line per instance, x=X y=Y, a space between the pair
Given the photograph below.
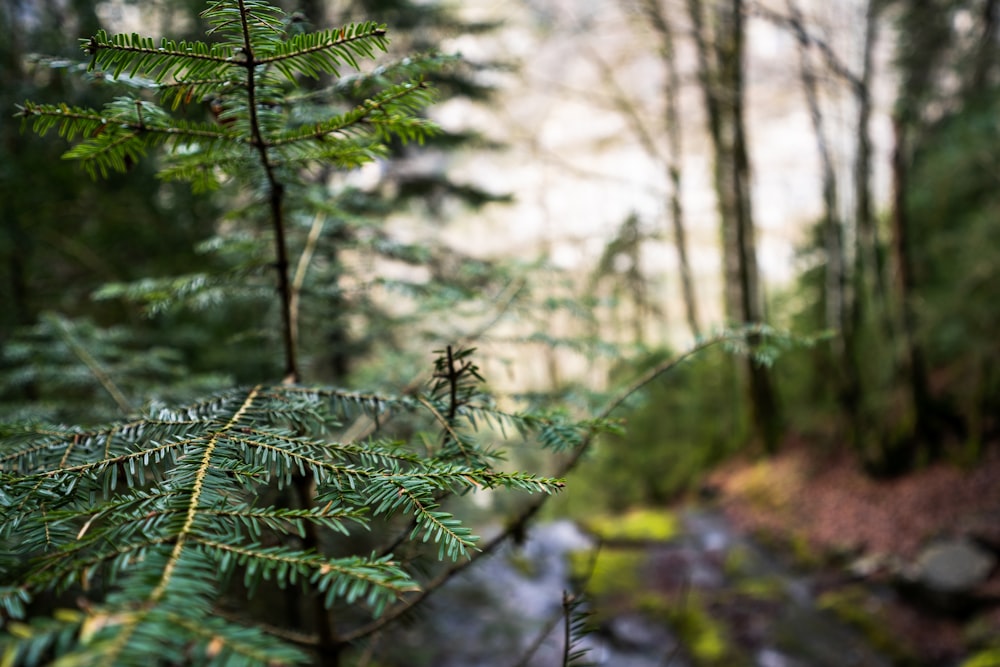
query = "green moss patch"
x=988 y=658
x=702 y=635
x=855 y=607
x=609 y=573
x=639 y=525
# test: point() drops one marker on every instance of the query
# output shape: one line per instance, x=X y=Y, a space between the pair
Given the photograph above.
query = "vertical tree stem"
x=328 y=649
x=276 y=195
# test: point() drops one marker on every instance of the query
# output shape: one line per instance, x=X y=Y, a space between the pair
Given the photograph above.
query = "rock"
x=947 y=574
x=952 y=566
x=769 y=657
x=636 y=632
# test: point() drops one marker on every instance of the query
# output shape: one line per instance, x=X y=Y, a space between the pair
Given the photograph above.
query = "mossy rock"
x=987 y=658
x=768 y=589
x=610 y=572
x=704 y=637
x=639 y=525
x=803 y=553
x=853 y=605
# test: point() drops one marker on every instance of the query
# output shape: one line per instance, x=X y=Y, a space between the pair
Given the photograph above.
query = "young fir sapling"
x=127 y=541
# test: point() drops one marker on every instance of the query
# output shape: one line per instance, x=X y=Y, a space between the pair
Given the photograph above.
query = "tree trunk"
x=870 y=303
x=720 y=73
x=913 y=368
x=660 y=23
x=836 y=295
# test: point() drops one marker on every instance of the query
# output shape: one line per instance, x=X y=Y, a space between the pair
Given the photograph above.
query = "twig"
x=302 y=268
x=794 y=23
x=91 y=363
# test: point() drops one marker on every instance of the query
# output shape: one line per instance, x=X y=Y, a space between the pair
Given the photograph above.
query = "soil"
x=828 y=511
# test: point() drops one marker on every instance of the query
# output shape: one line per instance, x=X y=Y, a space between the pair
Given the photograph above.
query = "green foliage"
x=987 y=658
x=247 y=74
x=667 y=444
x=132 y=540
x=610 y=574
x=164 y=509
x=856 y=607
x=94 y=371
x=953 y=207
x=576 y=626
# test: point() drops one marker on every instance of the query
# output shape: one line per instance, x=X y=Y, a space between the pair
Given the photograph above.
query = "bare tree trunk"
x=870 y=296
x=721 y=76
x=836 y=292
x=658 y=19
x=869 y=257
x=835 y=314
x=914 y=369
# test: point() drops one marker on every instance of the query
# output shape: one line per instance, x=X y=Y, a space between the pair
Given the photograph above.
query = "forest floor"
x=825 y=509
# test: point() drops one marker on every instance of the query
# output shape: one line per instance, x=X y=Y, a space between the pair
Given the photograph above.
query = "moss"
x=982 y=633
x=654 y=605
x=856 y=608
x=988 y=658
x=736 y=562
x=612 y=572
x=762 y=588
x=704 y=637
x=803 y=553
x=637 y=525
x=738 y=566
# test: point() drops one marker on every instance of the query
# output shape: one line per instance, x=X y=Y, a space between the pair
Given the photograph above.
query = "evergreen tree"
x=141 y=539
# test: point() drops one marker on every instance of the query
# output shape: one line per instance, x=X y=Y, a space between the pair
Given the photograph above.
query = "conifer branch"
x=313 y=53
x=517 y=524
x=160 y=510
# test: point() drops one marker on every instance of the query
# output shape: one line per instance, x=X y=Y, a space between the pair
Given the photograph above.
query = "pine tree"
x=145 y=539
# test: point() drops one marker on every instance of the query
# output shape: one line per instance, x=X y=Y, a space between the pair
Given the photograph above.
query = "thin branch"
x=93 y=46
x=794 y=24
x=364 y=426
x=625 y=106
x=658 y=19
x=362 y=114
x=93 y=365
x=64 y=115
x=302 y=268
x=275 y=201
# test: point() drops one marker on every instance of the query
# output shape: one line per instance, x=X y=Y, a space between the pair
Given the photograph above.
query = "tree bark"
x=913 y=368
x=836 y=294
x=720 y=72
x=870 y=300
x=661 y=24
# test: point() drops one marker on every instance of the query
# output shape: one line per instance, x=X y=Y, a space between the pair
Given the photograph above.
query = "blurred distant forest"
x=907 y=375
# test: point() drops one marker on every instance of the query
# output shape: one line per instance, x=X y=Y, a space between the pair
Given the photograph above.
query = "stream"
x=706 y=596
